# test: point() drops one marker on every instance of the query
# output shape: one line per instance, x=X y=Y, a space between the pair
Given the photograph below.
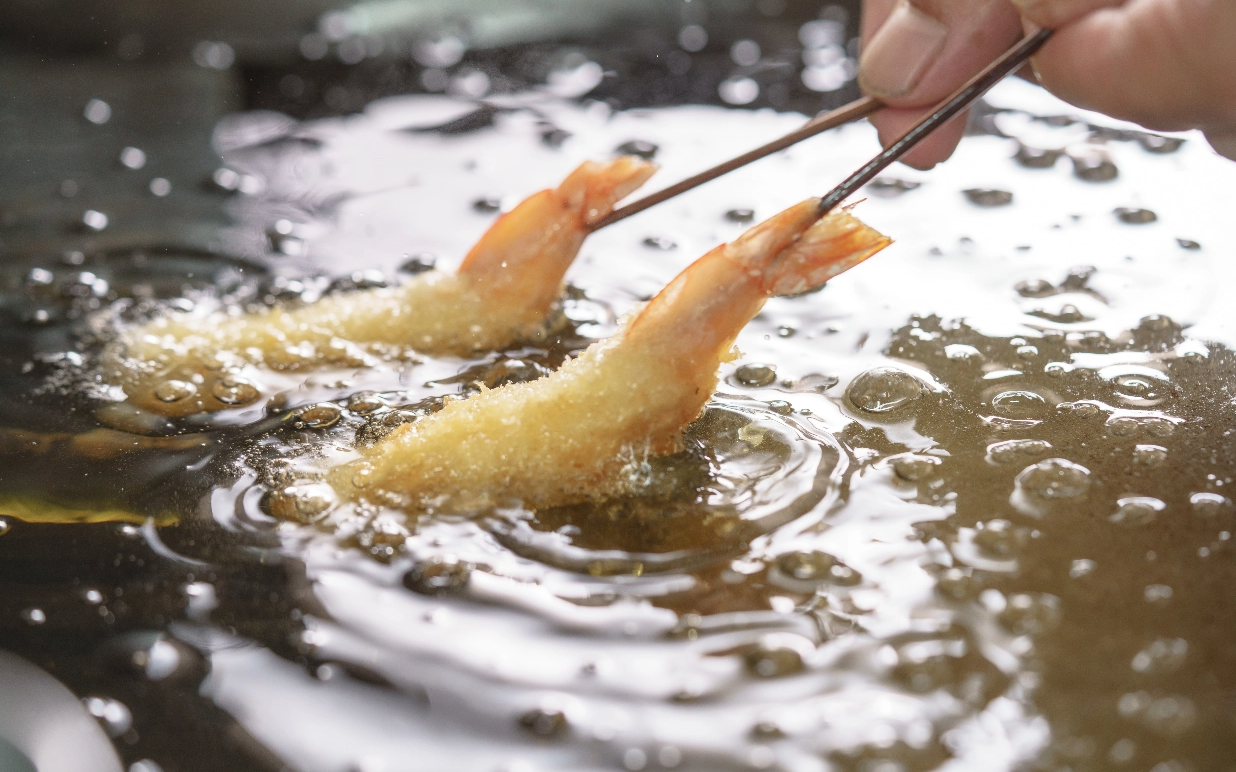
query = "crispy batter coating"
x=503 y=292
x=581 y=432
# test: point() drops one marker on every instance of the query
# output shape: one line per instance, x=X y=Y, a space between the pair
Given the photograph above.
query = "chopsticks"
x=860 y=108
x=962 y=98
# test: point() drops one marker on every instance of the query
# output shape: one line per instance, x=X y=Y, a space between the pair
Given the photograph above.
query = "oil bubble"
x=94 y=221
x=1159 y=427
x=781 y=407
x=174 y=391
x=915 y=468
x=755 y=375
x=957 y=584
x=1012 y=451
x=132 y=158
x=1019 y=404
x=154 y=656
x=660 y=242
x=113 y=715
x=1158 y=593
x=363 y=476
x=997 y=538
x=1048 y=481
x=960 y=352
x=883 y=390
x=739 y=91
x=1149 y=455
x=1035 y=288
x=988 y=197
x=1168 y=716
x=925 y=666
x=1138 y=386
x=1209 y=504
x=33 y=616
x=438 y=576
x=1157 y=143
x=1137 y=510
x=1134 y=216
x=634 y=759
x=319 y=416
x=1057 y=369
x=544 y=722
x=487 y=204
x=97 y=112
x=304 y=502
x=234 y=390
x=1094 y=166
x=365 y=402
x=384 y=541
x=1027 y=352
x=360 y=280
x=1122 y=426
x=740 y=215
x=1081 y=567
x=817 y=567
x=889 y=187
x=1036 y=158
x=638 y=147
x=1030 y=613
x=1164 y=655
x=767 y=730
x=39 y=277
x=1189 y=244
x=778 y=655
x=416 y=264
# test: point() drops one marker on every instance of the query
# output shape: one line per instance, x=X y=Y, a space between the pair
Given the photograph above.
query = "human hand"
x=1169 y=65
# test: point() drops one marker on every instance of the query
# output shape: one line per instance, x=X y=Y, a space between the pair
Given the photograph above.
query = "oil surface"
x=966 y=508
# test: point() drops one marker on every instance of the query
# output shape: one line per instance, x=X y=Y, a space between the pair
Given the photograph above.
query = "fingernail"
x=901 y=52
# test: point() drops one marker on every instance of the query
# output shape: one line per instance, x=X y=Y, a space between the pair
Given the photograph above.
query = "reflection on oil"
x=960 y=510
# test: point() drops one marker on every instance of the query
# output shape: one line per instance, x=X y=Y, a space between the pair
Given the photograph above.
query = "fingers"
x=917 y=52
x=1055 y=14
x=900 y=52
x=1165 y=65
x=925 y=49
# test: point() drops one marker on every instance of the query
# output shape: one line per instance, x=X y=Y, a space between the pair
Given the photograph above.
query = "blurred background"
x=107 y=108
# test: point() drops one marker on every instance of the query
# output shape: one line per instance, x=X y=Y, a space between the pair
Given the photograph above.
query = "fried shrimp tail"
x=503 y=292
x=567 y=437
x=517 y=265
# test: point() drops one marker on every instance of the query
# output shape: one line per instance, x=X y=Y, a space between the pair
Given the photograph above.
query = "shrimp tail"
x=521 y=259
x=594 y=188
x=835 y=244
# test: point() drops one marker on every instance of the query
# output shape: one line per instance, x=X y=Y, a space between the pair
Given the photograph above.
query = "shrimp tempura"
x=568 y=437
x=503 y=292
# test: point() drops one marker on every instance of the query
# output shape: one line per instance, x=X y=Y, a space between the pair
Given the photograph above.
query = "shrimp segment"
x=503 y=292
x=567 y=437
